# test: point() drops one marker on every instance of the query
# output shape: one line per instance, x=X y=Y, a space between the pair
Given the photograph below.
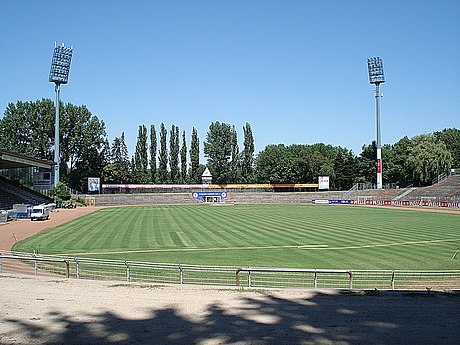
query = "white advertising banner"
x=323 y=182
x=94 y=184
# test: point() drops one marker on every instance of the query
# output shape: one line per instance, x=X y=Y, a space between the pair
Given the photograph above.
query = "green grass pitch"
x=297 y=236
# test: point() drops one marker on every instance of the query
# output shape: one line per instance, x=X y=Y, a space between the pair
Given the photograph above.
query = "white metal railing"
x=252 y=277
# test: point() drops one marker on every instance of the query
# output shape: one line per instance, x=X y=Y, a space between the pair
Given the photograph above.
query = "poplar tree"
x=141 y=174
x=174 y=153
x=183 y=159
x=195 y=157
x=247 y=169
x=153 y=154
x=218 y=149
x=163 y=156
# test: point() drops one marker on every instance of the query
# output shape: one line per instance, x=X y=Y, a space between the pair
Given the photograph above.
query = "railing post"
x=1 y=265
x=181 y=274
x=77 y=268
x=316 y=280
x=392 y=280
x=67 y=266
x=238 y=276
x=350 y=274
x=249 y=279
x=128 y=271
x=35 y=263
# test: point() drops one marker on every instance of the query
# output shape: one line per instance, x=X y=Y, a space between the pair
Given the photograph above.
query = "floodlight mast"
x=376 y=77
x=59 y=74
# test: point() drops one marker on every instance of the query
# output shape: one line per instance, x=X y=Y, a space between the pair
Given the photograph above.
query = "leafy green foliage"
x=153 y=154
x=218 y=149
x=60 y=193
x=174 y=153
x=429 y=158
x=183 y=159
x=28 y=127
x=163 y=156
x=195 y=172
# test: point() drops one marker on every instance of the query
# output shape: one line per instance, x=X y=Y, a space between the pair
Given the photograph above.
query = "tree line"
x=163 y=156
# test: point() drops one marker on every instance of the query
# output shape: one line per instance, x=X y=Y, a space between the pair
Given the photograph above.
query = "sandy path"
x=39 y=310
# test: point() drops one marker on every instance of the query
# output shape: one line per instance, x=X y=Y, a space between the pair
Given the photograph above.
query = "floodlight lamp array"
x=60 y=65
x=375 y=67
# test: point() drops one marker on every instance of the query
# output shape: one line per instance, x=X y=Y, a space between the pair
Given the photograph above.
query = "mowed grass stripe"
x=356 y=237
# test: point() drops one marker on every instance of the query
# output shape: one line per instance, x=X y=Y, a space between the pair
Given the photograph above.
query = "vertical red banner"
x=379 y=166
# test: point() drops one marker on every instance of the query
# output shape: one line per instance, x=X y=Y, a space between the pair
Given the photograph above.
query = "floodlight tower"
x=376 y=77
x=59 y=74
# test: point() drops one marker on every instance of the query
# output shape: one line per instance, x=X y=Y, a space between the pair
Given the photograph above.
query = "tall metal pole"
x=376 y=77
x=59 y=74
x=379 y=143
x=56 y=137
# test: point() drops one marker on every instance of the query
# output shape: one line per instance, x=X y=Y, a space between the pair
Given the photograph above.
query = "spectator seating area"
x=13 y=193
x=445 y=190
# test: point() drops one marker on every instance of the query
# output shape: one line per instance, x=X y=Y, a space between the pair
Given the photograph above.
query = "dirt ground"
x=48 y=310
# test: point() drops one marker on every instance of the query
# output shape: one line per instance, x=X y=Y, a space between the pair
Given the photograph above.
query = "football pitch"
x=296 y=236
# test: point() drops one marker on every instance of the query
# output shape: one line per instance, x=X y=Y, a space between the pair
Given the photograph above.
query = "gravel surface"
x=40 y=310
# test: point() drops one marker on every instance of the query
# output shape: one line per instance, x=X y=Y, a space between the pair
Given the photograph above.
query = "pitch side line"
x=312 y=246
x=303 y=247
x=387 y=244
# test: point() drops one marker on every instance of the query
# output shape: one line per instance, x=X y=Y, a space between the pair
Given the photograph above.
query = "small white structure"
x=206 y=178
x=40 y=212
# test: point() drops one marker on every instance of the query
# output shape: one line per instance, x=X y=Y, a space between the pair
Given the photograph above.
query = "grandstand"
x=12 y=193
x=446 y=191
x=15 y=167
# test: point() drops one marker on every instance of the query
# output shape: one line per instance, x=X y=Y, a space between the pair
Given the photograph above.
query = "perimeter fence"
x=250 y=277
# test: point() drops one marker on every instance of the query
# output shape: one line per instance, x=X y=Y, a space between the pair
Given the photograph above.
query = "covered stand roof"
x=11 y=160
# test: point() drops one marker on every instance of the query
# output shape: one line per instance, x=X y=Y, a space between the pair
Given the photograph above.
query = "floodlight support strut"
x=56 y=136
x=379 y=142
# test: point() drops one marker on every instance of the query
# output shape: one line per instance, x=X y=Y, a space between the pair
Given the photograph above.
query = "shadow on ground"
x=322 y=318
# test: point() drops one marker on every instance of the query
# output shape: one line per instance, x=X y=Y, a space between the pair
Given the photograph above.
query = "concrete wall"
x=234 y=197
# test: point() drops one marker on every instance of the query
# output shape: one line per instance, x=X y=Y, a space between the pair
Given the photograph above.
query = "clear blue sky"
x=295 y=70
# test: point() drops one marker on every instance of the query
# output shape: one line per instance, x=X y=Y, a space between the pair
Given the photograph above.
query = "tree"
x=273 y=165
x=235 y=160
x=28 y=127
x=163 y=156
x=294 y=163
x=429 y=158
x=218 y=151
x=247 y=169
x=83 y=148
x=367 y=165
x=174 y=153
x=322 y=160
x=141 y=174
x=153 y=154
x=183 y=159
x=451 y=138
x=120 y=160
x=195 y=174
x=345 y=169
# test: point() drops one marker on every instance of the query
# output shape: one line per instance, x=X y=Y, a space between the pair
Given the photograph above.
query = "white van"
x=40 y=212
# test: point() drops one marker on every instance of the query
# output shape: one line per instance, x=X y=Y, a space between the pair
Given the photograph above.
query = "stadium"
x=141 y=208
x=337 y=295
x=257 y=236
